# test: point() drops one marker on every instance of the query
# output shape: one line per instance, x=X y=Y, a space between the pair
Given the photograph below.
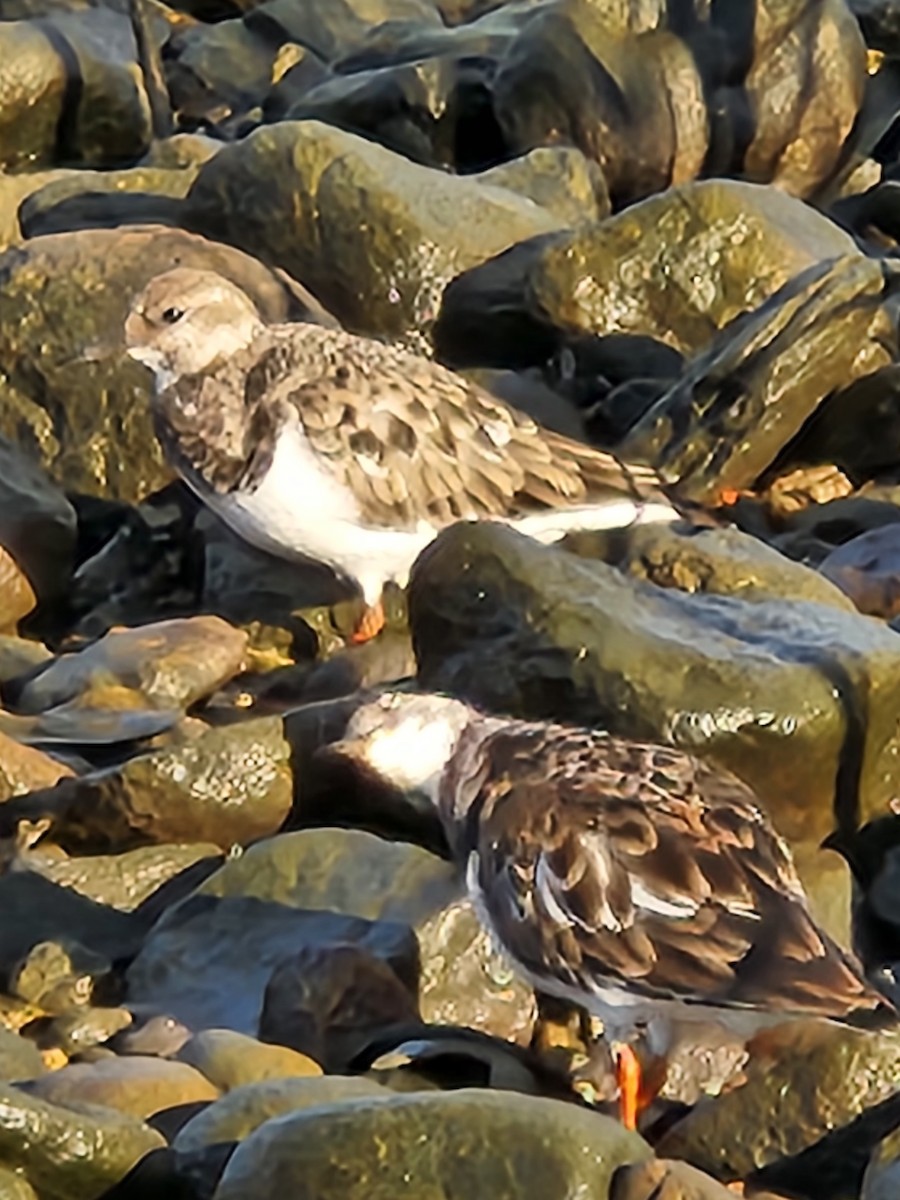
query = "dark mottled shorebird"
x=639 y=883
x=313 y=442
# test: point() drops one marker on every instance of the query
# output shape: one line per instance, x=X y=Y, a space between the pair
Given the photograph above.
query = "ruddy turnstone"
x=630 y=879
x=312 y=442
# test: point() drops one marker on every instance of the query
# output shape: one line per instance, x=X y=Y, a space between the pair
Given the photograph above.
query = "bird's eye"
x=172 y=315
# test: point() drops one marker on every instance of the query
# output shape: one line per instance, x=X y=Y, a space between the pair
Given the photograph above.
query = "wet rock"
x=208 y=960
x=328 y=1001
x=663 y=1179
x=55 y=978
x=68 y=1151
x=770 y=690
x=342 y=871
x=716 y=562
x=802 y=1082
x=308 y=219
x=19 y=1058
x=14 y=1187
x=88 y=55
x=89 y=422
x=435 y=111
x=124 y=881
x=236 y=1115
x=171 y=664
x=651 y=127
x=677 y=267
x=140 y=1087
x=740 y=402
x=103 y=199
x=648 y=132
x=558 y=178
x=867 y=570
x=79 y=1030
x=24 y=769
x=509 y=1146
x=230 y=1060
x=225 y=787
x=463 y=982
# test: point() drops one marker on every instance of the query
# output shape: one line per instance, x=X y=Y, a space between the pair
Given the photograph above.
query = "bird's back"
x=608 y=865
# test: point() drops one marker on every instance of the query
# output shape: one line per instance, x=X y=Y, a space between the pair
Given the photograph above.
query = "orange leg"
x=369 y=625
x=628 y=1077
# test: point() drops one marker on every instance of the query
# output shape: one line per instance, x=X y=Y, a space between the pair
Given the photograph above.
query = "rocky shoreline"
x=230 y=965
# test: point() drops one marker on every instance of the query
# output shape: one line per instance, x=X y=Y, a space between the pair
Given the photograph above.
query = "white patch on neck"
x=413 y=755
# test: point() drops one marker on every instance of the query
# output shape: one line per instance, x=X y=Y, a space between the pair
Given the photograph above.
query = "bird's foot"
x=628 y=1077
x=369 y=625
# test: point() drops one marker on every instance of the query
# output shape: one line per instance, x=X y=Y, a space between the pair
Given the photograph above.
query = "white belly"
x=299 y=510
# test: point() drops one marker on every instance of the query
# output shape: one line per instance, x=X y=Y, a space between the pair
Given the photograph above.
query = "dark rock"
x=466 y=1142
x=341 y=214
x=677 y=267
x=207 y=961
x=463 y=981
x=37 y=525
x=422 y=110
x=633 y=103
x=867 y=569
x=738 y=403
x=855 y=427
x=882 y=1177
x=326 y=1001
x=38 y=911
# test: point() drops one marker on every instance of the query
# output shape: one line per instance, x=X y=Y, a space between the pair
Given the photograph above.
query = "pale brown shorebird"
x=629 y=879
x=315 y=443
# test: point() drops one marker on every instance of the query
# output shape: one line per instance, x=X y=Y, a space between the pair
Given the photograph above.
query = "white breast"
x=300 y=510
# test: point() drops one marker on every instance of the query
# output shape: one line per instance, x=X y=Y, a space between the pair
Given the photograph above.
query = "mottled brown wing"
x=608 y=863
x=411 y=438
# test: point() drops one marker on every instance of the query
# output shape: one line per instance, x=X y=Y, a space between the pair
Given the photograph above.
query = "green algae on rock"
x=467 y=1143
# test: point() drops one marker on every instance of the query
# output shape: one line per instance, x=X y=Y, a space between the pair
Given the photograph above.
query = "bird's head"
x=405 y=738
x=185 y=319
